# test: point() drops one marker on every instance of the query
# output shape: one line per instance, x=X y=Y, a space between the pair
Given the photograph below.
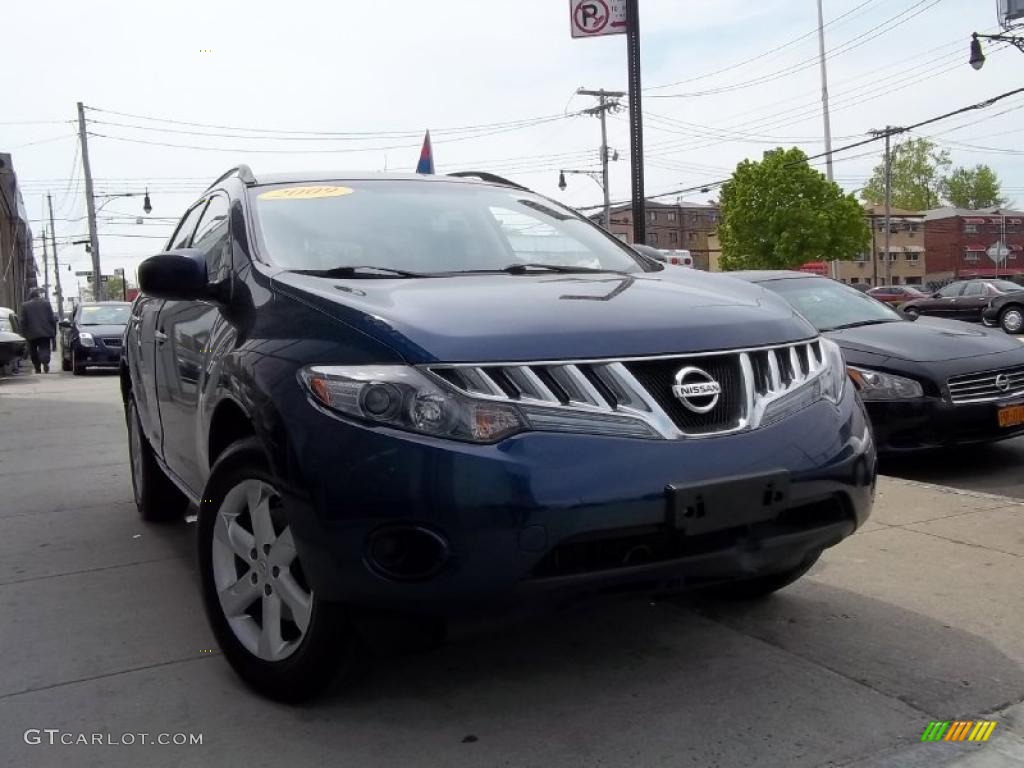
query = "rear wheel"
x=156 y=496
x=278 y=636
x=762 y=586
x=1011 y=320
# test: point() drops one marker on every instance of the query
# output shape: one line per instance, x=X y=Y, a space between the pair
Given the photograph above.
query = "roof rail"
x=489 y=177
x=244 y=172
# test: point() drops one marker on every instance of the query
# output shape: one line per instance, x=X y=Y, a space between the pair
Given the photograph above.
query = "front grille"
x=658 y=377
x=640 y=392
x=111 y=341
x=987 y=385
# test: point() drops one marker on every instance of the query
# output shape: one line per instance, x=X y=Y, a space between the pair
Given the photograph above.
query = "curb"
x=945 y=489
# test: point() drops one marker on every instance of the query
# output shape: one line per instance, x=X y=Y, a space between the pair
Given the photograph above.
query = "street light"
x=977 y=59
x=146 y=207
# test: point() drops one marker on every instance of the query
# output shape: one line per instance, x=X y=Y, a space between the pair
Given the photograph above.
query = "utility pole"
x=636 y=121
x=601 y=110
x=94 y=241
x=824 y=111
x=888 y=133
x=56 y=265
x=46 y=268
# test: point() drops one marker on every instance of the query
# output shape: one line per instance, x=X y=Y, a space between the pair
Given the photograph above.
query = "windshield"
x=105 y=315
x=829 y=305
x=427 y=227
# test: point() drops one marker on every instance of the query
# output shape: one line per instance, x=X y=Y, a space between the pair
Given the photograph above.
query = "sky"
x=176 y=93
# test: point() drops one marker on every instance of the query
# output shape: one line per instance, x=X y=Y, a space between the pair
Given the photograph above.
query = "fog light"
x=407 y=553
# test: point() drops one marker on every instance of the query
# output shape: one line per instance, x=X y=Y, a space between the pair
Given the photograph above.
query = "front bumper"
x=544 y=512
x=931 y=422
x=98 y=356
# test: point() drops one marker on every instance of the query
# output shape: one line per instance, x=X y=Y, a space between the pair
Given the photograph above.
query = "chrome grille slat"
x=753 y=379
x=981 y=387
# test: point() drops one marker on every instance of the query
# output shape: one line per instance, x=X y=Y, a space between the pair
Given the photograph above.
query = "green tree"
x=976 y=187
x=917 y=175
x=114 y=288
x=780 y=213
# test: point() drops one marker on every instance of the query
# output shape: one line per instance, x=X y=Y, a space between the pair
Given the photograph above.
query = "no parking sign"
x=593 y=18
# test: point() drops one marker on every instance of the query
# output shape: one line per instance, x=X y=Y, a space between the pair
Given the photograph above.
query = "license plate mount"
x=1010 y=416
x=728 y=503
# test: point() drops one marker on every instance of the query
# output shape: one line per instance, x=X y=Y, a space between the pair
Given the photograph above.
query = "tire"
x=762 y=586
x=246 y=570
x=157 y=498
x=76 y=369
x=1011 y=319
x=65 y=364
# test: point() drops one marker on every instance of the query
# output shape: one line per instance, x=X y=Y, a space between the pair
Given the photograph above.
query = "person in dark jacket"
x=39 y=327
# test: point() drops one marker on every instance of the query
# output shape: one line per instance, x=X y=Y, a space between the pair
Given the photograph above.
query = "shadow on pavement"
x=991 y=467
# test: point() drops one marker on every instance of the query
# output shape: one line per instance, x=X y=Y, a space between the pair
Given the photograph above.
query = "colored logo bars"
x=959 y=730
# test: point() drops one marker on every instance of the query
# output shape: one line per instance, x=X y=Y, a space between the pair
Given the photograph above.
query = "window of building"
x=970 y=229
x=914 y=280
x=971 y=256
x=854 y=280
x=913 y=257
x=673 y=237
x=671 y=215
x=653 y=237
x=653 y=216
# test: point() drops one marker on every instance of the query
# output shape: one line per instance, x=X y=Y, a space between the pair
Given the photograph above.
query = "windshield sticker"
x=305 y=193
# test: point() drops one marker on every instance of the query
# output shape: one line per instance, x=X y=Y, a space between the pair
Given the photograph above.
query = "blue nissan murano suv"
x=425 y=394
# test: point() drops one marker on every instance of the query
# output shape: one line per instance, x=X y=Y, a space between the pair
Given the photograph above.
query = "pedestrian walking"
x=39 y=327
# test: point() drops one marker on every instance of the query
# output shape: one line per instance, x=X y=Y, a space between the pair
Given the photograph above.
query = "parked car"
x=926 y=384
x=962 y=300
x=896 y=294
x=12 y=343
x=92 y=336
x=423 y=393
x=1005 y=311
x=679 y=258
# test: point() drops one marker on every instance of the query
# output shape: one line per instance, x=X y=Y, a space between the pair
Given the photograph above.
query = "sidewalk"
x=917 y=617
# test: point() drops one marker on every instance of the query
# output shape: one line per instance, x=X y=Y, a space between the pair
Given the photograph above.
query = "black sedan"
x=962 y=300
x=926 y=383
x=92 y=337
x=1005 y=311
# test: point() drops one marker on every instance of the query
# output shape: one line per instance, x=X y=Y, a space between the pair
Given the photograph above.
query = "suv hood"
x=498 y=317
x=925 y=340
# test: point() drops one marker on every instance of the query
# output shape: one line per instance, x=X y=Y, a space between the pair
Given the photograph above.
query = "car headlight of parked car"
x=828 y=382
x=86 y=340
x=875 y=385
x=402 y=397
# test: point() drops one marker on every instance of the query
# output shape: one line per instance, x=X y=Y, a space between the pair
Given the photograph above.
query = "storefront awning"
x=914 y=248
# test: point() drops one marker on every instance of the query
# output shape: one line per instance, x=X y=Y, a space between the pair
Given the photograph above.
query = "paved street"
x=918 y=617
x=994 y=468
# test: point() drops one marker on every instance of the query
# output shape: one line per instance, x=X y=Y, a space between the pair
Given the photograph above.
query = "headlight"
x=400 y=396
x=827 y=383
x=875 y=385
x=86 y=340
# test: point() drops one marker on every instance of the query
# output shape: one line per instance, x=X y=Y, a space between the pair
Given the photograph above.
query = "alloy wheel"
x=257 y=576
x=1013 y=321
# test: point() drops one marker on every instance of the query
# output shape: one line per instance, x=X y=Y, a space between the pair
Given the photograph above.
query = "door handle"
x=160 y=336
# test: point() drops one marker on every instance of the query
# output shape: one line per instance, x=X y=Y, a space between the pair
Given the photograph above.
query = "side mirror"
x=936 y=295
x=65 y=324
x=177 y=275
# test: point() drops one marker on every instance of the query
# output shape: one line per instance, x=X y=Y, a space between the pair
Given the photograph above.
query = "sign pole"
x=636 y=121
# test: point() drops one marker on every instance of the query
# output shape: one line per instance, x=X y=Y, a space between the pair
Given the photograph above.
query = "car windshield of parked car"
x=427 y=227
x=829 y=305
x=100 y=315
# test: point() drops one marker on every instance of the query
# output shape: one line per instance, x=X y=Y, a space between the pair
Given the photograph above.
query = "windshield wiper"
x=858 y=324
x=364 y=270
x=522 y=269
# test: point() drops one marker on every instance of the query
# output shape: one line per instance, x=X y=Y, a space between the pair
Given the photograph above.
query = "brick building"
x=963 y=243
x=17 y=265
x=682 y=226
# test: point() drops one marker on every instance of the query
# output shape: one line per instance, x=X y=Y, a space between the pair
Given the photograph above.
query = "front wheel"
x=762 y=586
x=76 y=368
x=278 y=636
x=1012 y=320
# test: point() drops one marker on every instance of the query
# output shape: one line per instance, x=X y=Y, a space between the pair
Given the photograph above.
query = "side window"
x=183 y=234
x=953 y=289
x=213 y=239
x=974 y=289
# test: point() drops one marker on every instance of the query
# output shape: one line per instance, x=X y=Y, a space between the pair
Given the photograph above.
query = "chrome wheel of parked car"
x=279 y=636
x=1012 y=320
x=260 y=585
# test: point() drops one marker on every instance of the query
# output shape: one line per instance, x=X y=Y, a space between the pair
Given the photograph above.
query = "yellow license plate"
x=1011 y=416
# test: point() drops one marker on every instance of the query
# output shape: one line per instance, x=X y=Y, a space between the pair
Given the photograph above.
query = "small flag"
x=426 y=163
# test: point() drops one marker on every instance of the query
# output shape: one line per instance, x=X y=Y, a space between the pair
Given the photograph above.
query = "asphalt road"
x=918 y=617
x=992 y=468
